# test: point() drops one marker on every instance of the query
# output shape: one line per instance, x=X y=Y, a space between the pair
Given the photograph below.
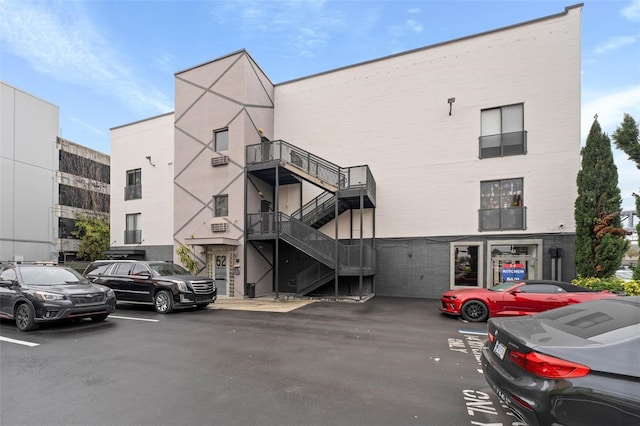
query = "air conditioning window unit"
x=219 y=161
x=219 y=227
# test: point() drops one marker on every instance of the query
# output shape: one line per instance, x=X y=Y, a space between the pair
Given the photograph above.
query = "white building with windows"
x=46 y=181
x=449 y=166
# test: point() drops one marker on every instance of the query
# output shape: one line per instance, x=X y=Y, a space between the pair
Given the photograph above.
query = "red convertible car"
x=515 y=298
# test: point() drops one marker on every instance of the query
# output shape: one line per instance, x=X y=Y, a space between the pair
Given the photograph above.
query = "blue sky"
x=108 y=63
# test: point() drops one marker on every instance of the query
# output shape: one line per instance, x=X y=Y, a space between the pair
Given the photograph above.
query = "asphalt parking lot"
x=388 y=361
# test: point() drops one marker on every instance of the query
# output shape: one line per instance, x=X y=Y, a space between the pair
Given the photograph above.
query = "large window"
x=502 y=132
x=221 y=205
x=133 y=190
x=133 y=233
x=502 y=205
x=81 y=198
x=221 y=138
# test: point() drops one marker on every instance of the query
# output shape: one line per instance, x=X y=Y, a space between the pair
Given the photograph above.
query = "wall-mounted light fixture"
x=451 y=101
x=148 y=157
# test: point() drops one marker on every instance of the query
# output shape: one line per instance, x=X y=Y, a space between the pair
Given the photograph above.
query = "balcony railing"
x=133 y=237
x=505 y=219
x=132 y=192
x=303 y=160
x=504 y=144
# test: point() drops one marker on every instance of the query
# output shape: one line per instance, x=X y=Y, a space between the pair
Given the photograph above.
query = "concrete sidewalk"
x=264 y=304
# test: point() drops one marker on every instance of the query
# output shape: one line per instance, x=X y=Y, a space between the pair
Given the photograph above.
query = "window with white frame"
x=502 y=132
x=221 y=203
x=132 y=233
x=502 y=205
x=221 y=139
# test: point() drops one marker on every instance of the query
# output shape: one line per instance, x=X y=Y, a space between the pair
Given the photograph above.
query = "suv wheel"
x=25 y=317
x=163 y=301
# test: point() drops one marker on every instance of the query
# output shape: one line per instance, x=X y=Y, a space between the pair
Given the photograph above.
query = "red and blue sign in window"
x=513 y=272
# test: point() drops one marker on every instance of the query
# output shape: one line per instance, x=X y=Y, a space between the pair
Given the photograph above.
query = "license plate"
x=499 y=349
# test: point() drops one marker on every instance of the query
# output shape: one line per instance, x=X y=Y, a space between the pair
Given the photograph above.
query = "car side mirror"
x=7 y=283
x=515 y=291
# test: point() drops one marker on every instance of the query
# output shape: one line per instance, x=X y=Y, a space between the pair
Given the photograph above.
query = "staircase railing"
x=301 y=159
x=313 y=277
x=310 y=240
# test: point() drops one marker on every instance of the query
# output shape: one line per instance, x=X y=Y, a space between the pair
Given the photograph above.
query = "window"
x=221 y=139
x=132 y=233
x=221 y=205
x=133 y=190
x=502 y=205
x=540 y=289
x=8 y=274
x=82 y=198
x=122 y=269
x=502 y=132
x=139 y=269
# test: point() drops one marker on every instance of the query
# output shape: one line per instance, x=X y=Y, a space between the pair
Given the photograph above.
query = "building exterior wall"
x=229 y=93
x=131 y=145
x=86 y=171
x=415 y=119
x=393 y=115
x=28 y=163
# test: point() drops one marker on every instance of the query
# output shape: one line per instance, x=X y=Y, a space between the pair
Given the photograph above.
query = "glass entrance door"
x=514 y=262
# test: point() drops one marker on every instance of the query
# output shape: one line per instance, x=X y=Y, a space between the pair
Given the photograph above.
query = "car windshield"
x=168 y=269
x=503 y=286
x=50 y=276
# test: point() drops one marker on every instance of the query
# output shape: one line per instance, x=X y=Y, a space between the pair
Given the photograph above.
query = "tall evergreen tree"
x=600 y=239
x=626 y=139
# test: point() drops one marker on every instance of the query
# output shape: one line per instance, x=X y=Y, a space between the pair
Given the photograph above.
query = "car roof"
x=564 y=285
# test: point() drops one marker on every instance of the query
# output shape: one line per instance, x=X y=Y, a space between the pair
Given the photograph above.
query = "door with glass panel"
x=514 y=261
x=466 y=265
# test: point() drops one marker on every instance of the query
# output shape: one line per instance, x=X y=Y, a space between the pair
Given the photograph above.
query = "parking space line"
x=18 y=342
x=133 y=318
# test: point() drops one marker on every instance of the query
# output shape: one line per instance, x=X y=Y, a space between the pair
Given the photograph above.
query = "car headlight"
x=46 y=296
x=182 y=286
x=110 y=293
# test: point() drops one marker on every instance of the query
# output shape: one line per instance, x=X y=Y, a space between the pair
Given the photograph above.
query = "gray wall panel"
x=420 y=267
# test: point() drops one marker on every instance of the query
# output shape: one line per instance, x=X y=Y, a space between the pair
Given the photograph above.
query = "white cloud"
x=88 y=127
x=615 y=43
x=415 y=10
x=610 y=108
x=58 y=39
x=414 y=26
x=307 y=26
x=632 y=12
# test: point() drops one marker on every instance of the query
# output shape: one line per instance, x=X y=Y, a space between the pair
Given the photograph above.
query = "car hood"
x=468 y=292
x=70 y=289
x=184 y=278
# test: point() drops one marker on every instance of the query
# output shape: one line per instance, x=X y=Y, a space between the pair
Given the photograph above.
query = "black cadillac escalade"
x=164 y=285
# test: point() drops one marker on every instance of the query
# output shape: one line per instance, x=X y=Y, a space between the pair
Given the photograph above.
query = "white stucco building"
x=453 y=165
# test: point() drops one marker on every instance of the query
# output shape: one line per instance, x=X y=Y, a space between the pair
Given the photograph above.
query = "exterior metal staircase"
x=280 y=163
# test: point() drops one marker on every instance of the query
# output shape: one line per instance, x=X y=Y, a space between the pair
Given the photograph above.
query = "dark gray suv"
x=164 y=285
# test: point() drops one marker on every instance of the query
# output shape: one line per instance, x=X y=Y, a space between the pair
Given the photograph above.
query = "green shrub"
x=612 y=284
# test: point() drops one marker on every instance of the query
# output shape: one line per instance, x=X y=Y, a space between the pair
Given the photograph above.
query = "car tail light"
x=547 y=366
x=491 y=337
